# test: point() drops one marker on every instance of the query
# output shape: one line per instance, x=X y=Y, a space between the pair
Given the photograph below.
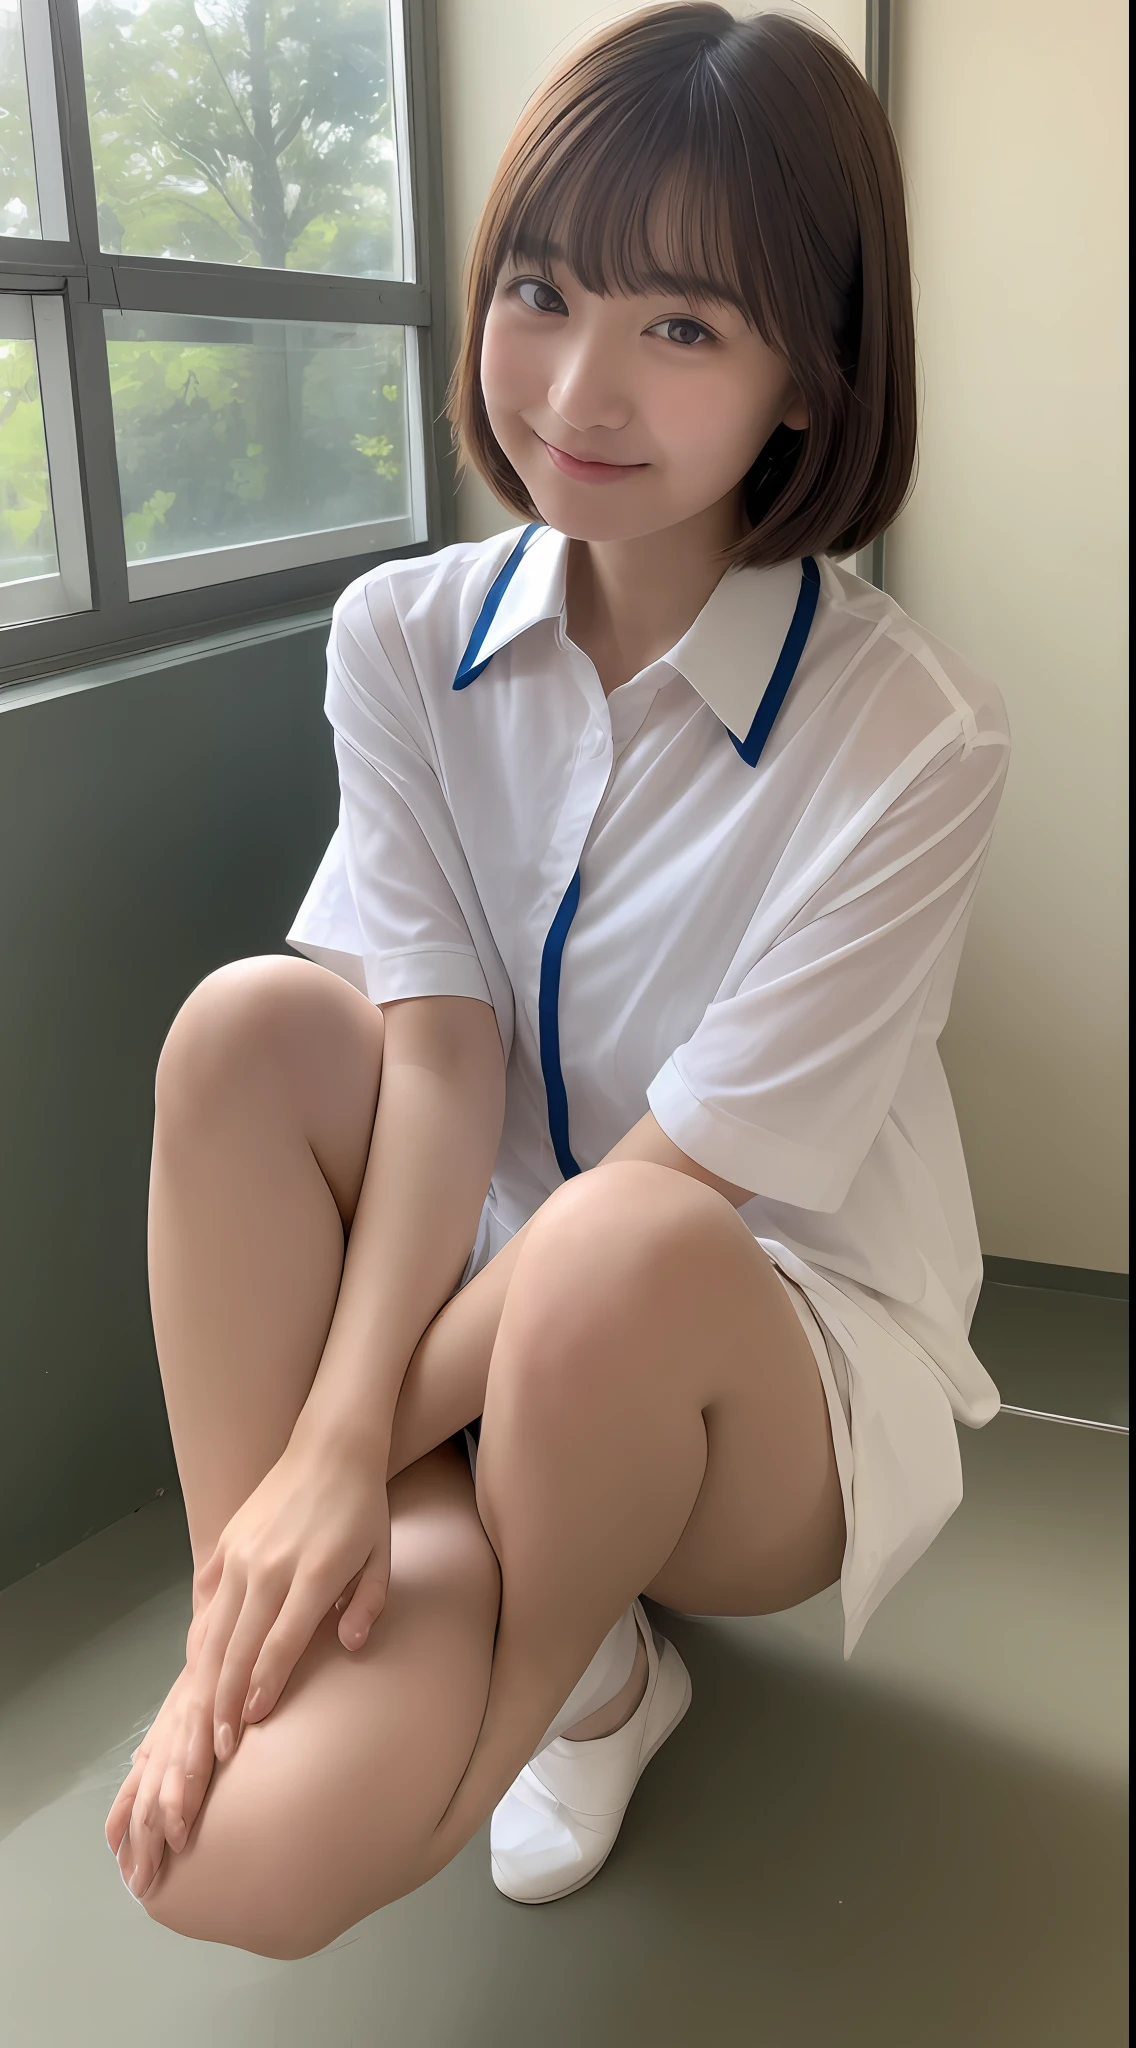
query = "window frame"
x=84 y=279
x=871 y=562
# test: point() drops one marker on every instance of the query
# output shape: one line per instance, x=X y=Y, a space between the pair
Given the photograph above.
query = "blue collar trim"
x=788 y=661
x=776 y=690
x=469 y=668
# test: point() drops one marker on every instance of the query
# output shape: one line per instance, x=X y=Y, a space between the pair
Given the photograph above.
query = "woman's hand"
x=314 y=1532
x=163 y=1794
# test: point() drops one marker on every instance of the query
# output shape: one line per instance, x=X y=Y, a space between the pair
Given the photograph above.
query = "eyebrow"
x=531 y=248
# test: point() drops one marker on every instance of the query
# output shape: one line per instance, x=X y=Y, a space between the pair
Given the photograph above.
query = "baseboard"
x=1067 y=1279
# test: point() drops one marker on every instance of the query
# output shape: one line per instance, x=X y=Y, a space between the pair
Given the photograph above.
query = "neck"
x=627 y=601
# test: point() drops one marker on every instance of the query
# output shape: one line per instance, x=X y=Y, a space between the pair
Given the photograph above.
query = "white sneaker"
x=558 y=1821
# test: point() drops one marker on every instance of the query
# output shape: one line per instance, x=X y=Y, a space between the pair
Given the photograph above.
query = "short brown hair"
x=787 y=198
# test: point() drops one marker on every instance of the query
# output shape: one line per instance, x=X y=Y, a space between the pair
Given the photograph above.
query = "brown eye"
x=541 y=296
x=684 y=332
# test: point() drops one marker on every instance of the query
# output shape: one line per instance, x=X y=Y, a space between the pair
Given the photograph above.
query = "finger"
x=223 y=1617
x=206 y=1583
x=119 y=1815
x=187 y=1775
x=199 y=1750
x=366 y=1606
x=140 y=1850
x=173 y=1803
x=308 y=1600
x=261 y=1608
x=199 y=1760
x=348 y=1593
x=207 y=1577
x=198 y=1628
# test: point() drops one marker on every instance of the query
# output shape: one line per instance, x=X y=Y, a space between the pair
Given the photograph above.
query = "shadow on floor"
x=923 y=1848
x=801 y=1866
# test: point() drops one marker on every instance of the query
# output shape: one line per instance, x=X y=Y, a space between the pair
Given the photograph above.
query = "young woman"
x=627 y=965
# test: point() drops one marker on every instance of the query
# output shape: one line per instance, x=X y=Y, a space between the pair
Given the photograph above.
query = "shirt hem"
x=395 y=977
x=769 y=1165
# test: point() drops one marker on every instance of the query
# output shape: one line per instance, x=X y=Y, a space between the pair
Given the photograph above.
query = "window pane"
x=254 y=132
x=19 y=204
x=231 y=431
x=27 y=529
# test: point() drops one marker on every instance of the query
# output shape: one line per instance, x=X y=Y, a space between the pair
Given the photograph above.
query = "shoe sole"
x=665 y=1655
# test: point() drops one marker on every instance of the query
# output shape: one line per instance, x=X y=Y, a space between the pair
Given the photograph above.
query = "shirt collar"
x=740 y=654
x=528 y=587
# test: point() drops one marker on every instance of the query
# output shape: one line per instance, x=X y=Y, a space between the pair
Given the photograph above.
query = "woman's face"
x=628 y=414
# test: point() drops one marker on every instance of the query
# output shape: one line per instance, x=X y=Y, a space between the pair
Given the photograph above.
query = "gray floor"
x=923 y=1848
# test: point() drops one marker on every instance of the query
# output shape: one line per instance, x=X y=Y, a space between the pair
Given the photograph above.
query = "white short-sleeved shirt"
x=734 y=892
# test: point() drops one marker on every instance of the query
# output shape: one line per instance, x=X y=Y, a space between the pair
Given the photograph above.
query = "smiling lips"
x=590 y=472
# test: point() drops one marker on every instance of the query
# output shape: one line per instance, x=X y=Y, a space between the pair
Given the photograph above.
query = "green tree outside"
x=253 y=132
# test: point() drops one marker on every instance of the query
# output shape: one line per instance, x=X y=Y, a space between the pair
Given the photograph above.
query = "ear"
x=796 y=413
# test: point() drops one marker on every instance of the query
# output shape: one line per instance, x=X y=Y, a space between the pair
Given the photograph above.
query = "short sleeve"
x=784 y=1084
x=393 y=906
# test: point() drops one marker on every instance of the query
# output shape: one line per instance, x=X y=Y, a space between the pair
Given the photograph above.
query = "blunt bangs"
x=739 y=162
x=649 y=209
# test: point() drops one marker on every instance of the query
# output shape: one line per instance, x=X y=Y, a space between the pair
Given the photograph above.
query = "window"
x=219 y=387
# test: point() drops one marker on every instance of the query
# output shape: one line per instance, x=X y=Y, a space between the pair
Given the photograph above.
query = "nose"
x=588 y=389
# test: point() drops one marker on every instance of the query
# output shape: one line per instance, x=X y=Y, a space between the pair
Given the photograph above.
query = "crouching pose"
x=584 y=1216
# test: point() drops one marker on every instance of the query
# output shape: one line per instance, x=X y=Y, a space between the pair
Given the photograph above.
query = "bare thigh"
x=642 y=1292
x=326 y=1810
x=767 y=1530
x=265 y=1107
x=670 y=1435
x=654 y=1422
x=266 y=1097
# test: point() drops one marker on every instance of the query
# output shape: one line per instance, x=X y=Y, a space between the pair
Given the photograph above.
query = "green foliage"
x=246 y=132
x=23 y=462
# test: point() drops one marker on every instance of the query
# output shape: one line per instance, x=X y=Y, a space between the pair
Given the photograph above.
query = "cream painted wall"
x=1012 y=122
x=1012 y=117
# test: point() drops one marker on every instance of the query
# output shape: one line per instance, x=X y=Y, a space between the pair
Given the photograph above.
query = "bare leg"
x=654 y=1421
x=266 y=1096
x=342 y=1799
x=266 y=1099
x=325 y=1811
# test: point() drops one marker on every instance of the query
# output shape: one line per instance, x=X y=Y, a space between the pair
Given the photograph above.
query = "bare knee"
x=328 y=1809
x=283 y=1936
x=257 y=1023
x=617 y=1232
x=642 y=1207
x=611 y=1250
x=219 y=1031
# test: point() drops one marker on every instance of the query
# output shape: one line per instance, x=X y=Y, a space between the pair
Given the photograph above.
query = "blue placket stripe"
x=548 y=1000
x=548 y=1016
